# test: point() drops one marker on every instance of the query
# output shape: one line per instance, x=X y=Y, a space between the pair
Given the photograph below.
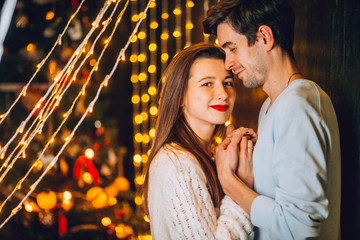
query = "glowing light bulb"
x=177 y=11
x=152 y=47
x=67 y=195
x=106 y=221
x=165 y=16
x=137 y=158
x=89 y=153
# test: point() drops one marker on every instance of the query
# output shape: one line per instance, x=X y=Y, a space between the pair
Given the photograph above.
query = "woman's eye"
x=207 y=84
x=232 y=49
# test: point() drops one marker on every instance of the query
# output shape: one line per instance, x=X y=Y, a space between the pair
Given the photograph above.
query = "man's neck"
x=282 y=72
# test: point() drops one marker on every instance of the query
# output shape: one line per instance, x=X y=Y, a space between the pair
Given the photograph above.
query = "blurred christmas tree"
x=87 y=195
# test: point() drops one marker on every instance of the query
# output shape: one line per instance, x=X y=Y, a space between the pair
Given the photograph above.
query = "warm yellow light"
x=106 y=221
x=189 y=4
x=139 y=180
x=39 y=164
x=89 y=153
x=152 y=5
x=189 y=25
x=141 y=35
x=119 y=228
x=46 y=200
x=112 y=201
x=92 y=62
x=145 y=98
x=217 y=42
x=138 y=119
x=146 y=218
x=141 y=13
x=134 y=78
x=144 y=158
x=141 y=57
x=153 y=110
x=30 y=47
x=28 y=207
x=176 y=33
x=152 y=69
x=138 y=138
x=137 y=164
x=142 y=77
x=67 y=195
x=144 y=116
x=227 y=123
x=134 y=39
x=135 y=18
x=133 y=58
x=52 y=67
x=164 y=57
x=164 y=36
x=137 y=158
x=152 y=132
x=152 y=90
x=146 y=138
x=49 y=15
x=154 y=25
x=152 y=47
x=138 y=200
x=135 y=99
x=218 y=140
x=177 y=11
x=87 y=178
x=165 y=16
x=206 y=35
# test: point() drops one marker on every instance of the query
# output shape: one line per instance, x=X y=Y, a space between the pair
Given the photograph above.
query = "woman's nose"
x=221 y=92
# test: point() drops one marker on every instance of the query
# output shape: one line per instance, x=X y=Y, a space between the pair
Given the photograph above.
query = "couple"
x=283 y=184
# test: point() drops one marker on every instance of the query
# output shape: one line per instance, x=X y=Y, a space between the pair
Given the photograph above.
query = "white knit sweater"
x=180 y=206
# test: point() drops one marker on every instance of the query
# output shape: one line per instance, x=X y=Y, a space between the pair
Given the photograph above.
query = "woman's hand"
x=246 y=147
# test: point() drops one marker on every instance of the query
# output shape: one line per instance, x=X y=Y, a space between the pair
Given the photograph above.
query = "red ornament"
x=90 y=167
x=63 y=225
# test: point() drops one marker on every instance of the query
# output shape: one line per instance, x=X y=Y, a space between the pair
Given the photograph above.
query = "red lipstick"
x=221 y=108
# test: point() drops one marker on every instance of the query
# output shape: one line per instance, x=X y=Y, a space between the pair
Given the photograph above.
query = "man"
x=296 y=161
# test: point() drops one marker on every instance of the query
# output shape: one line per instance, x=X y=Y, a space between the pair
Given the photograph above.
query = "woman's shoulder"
x=173 y=156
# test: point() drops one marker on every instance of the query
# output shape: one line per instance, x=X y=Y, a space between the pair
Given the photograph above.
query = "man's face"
x=246 y=62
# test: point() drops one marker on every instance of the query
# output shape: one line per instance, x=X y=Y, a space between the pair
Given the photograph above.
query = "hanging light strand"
x=56 y=92
x=68 y=113
x=89 y=109
x=39 y=66
x=59 y=77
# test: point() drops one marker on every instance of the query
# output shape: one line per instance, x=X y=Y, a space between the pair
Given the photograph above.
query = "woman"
x=183 y=195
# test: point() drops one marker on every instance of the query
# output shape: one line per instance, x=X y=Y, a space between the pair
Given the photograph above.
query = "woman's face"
x=210 y=96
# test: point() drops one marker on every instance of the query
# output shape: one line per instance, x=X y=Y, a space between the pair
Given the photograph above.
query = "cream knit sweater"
x=180 y=206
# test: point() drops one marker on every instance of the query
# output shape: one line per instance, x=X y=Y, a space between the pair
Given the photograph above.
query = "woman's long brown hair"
x=171 y=125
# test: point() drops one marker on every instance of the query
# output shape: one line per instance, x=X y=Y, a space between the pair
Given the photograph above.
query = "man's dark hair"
x=246 y=16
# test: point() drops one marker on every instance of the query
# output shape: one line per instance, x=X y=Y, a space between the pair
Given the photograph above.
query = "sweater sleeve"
x=300 y=204
x=191 y=214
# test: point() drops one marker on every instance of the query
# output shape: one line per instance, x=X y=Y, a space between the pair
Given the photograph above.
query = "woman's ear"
x=266 y=37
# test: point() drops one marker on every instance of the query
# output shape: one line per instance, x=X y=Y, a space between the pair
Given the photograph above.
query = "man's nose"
x=229 y=63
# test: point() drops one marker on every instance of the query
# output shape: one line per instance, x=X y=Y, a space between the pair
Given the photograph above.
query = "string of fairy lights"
x=145 y=74
x=51 y=100
x=146 y=51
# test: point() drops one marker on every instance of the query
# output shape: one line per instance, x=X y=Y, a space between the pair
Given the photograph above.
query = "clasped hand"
x=233 y=156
